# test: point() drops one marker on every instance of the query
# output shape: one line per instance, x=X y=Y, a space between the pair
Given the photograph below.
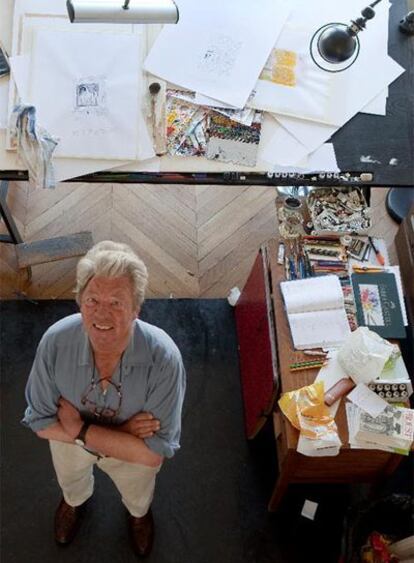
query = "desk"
x=351 y=465
x=382 y=138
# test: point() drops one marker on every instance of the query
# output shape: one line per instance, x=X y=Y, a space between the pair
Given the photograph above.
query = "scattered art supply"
x=392 y=391
x=158 y=118
x=314 y=353
x=341 y=210
x=186 y=127
x=232 y=142
x=341 y=388
x=378 y=254
x=302 y=366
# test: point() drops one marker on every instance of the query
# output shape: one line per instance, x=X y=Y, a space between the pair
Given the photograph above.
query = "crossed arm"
x=124 y=442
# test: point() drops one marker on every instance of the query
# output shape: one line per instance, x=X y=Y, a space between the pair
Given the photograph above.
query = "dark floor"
x=211 y=498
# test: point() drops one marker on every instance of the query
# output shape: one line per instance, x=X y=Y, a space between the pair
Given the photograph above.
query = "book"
x=378 y=303
x=393 y=428
x=316 y=313
x=390 y=431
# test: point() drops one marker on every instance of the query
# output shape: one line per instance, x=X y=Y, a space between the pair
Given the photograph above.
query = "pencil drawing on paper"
x=90 y=95
x=220 y=56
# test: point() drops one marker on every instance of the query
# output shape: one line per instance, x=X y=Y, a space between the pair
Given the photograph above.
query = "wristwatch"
x=80 y=439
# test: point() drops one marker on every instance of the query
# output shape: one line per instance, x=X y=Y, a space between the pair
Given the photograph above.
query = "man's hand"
x=69 y=418
x=141 y=425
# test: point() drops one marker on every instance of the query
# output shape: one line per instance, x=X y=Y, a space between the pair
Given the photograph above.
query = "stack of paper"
x=96 y=73
x=392 y=430
x=306 y=104
x=240 y=59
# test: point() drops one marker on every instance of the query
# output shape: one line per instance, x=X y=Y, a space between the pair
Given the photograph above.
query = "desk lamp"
x=335 y=46
x=130 y=11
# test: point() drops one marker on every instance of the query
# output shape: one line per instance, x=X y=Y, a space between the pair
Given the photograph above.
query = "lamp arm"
x=360 y=23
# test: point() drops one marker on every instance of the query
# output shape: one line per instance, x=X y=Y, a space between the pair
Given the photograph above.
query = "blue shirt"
x=152 y=380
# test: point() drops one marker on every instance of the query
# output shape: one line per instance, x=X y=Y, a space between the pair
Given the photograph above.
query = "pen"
x=366 y=269
x=378 y=254
x=307 y=363
x=313 y=366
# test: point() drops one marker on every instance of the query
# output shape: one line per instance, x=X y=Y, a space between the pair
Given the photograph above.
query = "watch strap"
x=82 y=434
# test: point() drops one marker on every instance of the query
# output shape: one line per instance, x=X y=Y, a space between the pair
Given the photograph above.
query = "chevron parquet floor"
x=197 y=241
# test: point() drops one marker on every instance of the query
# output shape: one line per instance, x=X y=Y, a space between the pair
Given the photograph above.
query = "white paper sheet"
x=210 y=102
x=278 y=147
x=360 y=91
x=280 y=151
x=378 y=105
x=4 y=92
x=319 y=95
x=367 y=400
x=20 y=69
x=64 y=168
x=310 y=94
x=94 y=107
x=212 y=49
x=309 y=509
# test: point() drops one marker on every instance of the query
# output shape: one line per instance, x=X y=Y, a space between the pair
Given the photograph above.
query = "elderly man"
x=107 y=389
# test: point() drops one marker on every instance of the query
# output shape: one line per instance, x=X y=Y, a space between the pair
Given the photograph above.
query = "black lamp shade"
x=337 y=44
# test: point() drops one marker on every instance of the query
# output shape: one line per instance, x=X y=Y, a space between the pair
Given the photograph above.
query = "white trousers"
x=74 y=471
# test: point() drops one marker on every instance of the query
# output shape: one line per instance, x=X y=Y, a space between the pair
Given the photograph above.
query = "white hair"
x=112 y=259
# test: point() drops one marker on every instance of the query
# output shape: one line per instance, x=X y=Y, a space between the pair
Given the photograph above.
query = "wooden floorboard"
x=197 y=241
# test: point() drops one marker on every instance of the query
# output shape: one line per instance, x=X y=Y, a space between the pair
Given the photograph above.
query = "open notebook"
x=315 y=309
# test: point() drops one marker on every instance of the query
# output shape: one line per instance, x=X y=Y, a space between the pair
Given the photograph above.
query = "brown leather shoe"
x=67 y=521
x=141 y=531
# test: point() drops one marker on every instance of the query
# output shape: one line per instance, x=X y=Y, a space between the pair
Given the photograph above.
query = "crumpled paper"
x=364 y=355
x=306 y=410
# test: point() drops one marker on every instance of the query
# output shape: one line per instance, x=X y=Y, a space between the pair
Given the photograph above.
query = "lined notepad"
x=316 y=313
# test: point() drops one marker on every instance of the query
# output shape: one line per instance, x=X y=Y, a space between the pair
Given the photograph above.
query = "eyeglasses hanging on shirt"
x=103 y=413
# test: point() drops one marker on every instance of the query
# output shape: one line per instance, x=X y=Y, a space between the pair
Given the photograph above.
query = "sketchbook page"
x=212 y=49
x=290 y=82
x=94 y=107
x=312 y=294
x=322 y=329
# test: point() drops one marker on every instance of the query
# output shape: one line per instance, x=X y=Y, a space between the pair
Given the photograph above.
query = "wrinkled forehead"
x=104 y=286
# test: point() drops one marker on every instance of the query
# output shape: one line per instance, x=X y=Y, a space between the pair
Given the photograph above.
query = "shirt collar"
x=136 y=353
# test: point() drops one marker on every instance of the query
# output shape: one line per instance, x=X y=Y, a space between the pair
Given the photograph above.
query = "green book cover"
x=378 y=304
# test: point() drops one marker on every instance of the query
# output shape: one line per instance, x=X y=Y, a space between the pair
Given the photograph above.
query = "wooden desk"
x=351 y=465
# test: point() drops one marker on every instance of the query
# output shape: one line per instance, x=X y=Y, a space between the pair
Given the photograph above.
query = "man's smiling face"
x=108 y=310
